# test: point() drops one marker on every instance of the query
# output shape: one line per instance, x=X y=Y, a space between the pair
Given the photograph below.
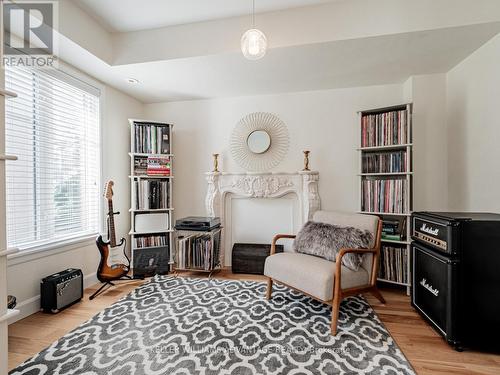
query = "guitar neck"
x=111 y=223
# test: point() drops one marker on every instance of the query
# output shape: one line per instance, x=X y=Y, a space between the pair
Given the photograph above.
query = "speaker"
x=61 y=289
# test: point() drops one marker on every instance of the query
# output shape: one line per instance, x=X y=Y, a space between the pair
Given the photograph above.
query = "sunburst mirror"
x=259 y=141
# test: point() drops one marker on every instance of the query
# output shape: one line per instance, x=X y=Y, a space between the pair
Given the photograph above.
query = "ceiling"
x=337 y=64
x=126 y=15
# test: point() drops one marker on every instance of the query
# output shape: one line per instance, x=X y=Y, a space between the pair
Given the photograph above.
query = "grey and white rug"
x=208 y=326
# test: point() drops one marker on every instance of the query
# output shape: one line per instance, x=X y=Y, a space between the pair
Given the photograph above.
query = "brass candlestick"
x=216 y=162
x=306 y=160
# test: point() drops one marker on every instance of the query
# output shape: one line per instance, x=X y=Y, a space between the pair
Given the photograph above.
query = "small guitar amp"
x=61 y=290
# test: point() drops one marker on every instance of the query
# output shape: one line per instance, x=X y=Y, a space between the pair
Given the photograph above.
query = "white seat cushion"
x=311 y=274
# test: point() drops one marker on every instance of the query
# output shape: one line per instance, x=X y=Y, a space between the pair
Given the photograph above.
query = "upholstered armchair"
x=323 y=280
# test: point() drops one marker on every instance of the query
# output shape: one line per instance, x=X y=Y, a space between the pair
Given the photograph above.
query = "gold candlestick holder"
x=306 y=160
x=216 y=162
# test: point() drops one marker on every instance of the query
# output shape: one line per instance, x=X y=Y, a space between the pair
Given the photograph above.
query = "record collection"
x=150 y=241
x=197 y=251
x=393 y=264
x=151 y=139
x=384 y=129
x=384 y=162
x=384 y=195
x=151 y=194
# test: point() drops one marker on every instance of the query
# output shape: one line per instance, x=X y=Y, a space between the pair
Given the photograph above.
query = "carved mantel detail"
x=265 y=185
x=260 y=186
x=303 y=184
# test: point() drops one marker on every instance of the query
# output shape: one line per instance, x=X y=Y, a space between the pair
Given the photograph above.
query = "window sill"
x=42 y=251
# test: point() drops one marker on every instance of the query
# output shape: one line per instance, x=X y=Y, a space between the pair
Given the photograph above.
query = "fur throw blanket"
x=325 y=241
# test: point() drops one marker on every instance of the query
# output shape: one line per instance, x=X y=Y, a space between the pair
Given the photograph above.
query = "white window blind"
x=53 y=187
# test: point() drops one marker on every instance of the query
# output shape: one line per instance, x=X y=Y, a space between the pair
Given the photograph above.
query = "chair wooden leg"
x=335 y=312
x=269 y=288
x=378 y=295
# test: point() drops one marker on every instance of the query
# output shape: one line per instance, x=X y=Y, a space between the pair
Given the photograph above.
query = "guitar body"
x=107 y=271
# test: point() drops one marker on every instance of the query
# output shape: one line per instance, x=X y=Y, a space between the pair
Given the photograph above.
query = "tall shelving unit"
x=151 y=194
x=386 y=185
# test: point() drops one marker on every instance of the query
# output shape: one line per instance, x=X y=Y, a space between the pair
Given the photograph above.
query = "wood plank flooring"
x=423 y=347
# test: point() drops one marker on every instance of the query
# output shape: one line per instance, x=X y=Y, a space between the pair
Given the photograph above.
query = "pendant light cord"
x=253 y=14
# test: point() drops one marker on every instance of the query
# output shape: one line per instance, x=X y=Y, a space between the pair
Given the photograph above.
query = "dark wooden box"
x=250 y=257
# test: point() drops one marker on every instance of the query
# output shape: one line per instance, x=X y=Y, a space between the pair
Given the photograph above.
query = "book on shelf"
x=158 y=166
x=393 y=264
x=197 y=251
x=151 y=194
x=150 y=241
x=384 y=129
x=384 y=195
x=151 y=138
x=393 y=229
x=384 y=162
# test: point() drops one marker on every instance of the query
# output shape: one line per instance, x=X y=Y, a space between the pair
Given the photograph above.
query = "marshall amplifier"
x=438 y=233
x=435 y=276
x=61 y=290
x=456 y=263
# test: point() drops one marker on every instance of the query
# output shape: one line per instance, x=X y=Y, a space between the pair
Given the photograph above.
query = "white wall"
x=430 y=159
x=324 y=122
x=473 y=97
x=24 y=273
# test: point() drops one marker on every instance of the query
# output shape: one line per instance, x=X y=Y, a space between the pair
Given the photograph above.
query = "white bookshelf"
x=136 y=179
x=407 y=175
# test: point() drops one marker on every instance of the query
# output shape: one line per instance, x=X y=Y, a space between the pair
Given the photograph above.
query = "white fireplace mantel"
x=303 y=184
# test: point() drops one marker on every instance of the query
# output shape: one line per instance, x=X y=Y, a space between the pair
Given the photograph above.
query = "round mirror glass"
x=259 y=141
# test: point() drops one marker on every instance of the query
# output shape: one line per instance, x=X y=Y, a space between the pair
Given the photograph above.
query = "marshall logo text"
x=429 y=230
x=429 y=287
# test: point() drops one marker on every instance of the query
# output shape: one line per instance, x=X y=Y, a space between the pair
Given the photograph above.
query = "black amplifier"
x=61 y=290
x=456 y=263
x=439 y=232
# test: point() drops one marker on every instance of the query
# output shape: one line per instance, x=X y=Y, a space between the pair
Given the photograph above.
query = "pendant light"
x=253 y=42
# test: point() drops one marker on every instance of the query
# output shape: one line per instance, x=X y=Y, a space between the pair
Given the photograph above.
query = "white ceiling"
x=133 y=15
x=337 y=64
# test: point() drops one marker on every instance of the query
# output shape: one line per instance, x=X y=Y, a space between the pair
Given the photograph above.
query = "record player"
x=198 y=223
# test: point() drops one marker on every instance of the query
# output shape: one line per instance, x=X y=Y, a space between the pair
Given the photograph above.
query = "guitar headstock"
x=108 y=190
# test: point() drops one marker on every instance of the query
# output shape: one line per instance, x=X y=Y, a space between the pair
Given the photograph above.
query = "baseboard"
x=32 y=305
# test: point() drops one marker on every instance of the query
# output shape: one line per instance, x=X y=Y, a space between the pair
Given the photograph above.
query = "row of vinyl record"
x=384 y=129
x=394 y=264
x=197 y=251
x=151 y=139
x=150 y=241
x=384 y=195
x=384 y=162
x=151 y=194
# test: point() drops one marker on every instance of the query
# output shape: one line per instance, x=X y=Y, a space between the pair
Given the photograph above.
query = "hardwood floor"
x=423 y=347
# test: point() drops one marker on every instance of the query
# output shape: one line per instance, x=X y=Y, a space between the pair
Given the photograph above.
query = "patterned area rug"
x=206 y=326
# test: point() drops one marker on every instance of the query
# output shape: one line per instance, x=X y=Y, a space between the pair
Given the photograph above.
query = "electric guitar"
x=110 y=269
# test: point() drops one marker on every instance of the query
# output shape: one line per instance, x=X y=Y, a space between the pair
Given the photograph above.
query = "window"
x=53 y=187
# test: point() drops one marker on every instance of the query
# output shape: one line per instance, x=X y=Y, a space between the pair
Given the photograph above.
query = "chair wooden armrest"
x=276 y=238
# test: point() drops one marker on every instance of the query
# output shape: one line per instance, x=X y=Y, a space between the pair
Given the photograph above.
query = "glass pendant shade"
x=253 y=44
